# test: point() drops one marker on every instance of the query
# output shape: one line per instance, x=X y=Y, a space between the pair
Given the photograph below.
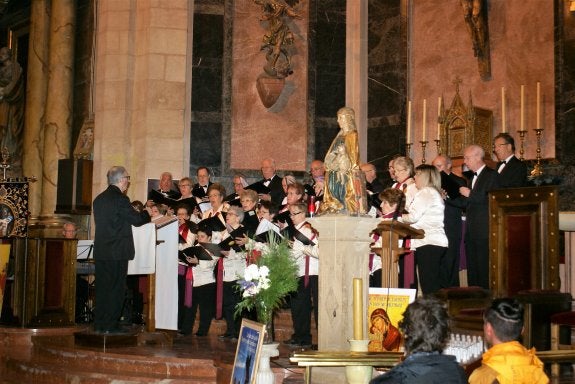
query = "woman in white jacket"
x=426 y=212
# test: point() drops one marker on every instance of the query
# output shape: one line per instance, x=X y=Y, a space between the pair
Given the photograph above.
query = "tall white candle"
x=538 y=120
x=357 y=308
x=408 y=139
x=503 y=128
x=438 y=118
x=424 y=133
x=522 y=117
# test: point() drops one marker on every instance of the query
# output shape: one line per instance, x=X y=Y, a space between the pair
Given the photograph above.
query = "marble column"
x=344 y=255
x=58 y=123
x=37 y=82
x=356 y=68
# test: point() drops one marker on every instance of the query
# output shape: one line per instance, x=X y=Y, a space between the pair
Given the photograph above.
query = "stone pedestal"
x=344 y=254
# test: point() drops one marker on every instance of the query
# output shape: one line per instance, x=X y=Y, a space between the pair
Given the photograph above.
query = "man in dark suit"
x=272 y=181
x=475 y=200
x=451 y=220
x=512 y=171
x=113 y=247
x=200 y=189
x=166 y=187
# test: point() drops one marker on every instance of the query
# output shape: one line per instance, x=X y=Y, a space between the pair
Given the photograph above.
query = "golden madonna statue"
x=344 y=190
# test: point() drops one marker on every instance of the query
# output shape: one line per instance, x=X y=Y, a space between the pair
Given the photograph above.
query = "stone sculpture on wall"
x=12 y=95
x=277 y=43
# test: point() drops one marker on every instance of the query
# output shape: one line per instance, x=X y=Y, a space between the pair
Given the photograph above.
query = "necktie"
x=474 y=179
x=501 y=165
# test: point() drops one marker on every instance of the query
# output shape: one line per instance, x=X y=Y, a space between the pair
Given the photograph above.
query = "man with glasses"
x=512 y=171
x=200 y=189
x=113 y=248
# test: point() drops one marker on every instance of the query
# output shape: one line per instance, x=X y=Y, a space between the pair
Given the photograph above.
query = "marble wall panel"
x=280 y=131
x=441 y=50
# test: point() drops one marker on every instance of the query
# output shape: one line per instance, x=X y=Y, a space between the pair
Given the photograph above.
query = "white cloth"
x=144 y=262
x=167 y=277
x=426 y=212
x=161 y=259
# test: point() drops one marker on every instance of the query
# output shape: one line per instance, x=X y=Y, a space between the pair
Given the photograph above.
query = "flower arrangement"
x=266 y=282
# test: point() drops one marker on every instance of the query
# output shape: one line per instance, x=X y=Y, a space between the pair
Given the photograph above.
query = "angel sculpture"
x=278 y=36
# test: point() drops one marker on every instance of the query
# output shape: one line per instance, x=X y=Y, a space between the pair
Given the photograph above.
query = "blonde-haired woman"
x=426 y=212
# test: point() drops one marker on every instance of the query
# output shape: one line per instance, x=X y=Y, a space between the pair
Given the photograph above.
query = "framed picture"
x=385 y=310
x=248 y=352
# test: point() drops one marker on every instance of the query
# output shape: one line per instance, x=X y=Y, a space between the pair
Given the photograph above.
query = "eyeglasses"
x=230 y=213
x=185 y=185
x=126 y=177
x=294 y=214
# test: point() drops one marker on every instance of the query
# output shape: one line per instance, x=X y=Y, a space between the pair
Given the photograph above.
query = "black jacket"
x=513 y=175
x=424 y=368
x=114 y=217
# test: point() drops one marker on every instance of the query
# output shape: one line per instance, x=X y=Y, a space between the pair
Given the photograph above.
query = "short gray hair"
x=115 y=174
x=238 y=211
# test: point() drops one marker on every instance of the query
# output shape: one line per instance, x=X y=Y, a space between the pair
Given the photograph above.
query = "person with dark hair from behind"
x=507 y=361
x=425 y=328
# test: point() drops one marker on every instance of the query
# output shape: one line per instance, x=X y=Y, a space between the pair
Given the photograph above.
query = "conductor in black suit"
x=512 y=171
x=475 y=200
x=113 y=247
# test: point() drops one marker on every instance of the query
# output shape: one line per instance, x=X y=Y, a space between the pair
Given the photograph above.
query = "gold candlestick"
x=437 y=144
x=408 y=149
x=537 y=170
x=522 y=133
x=5 y=165
x=423 y=145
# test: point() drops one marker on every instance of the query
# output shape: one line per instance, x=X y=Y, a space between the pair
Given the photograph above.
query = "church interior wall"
x=438 y=49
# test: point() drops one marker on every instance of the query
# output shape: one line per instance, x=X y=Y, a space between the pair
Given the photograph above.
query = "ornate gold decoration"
x=462 y=125
x=13 y=209
x=279 y=37
x=276 y=43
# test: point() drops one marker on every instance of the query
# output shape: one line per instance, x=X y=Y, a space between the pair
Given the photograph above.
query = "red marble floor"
x=53 y=356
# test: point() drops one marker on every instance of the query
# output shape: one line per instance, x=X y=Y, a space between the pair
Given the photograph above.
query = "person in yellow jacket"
x=507 y=361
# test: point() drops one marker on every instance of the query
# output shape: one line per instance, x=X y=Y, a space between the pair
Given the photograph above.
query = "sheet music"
x=84 y=250
x=265 y=226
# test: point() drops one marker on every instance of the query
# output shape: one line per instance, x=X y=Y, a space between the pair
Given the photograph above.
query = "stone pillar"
x=344 y=255
x=142 y=61
x=58 y=123
x=35 y=102
x=356 y=67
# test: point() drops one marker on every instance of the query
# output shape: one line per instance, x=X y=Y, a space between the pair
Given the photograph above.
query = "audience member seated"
x=507 y=361
x=425 y=328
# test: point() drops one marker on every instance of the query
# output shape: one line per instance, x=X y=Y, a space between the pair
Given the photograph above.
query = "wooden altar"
x=41 y=292
x=524 y=240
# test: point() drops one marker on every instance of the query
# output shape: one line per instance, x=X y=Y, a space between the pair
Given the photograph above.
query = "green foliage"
x=283 y=276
